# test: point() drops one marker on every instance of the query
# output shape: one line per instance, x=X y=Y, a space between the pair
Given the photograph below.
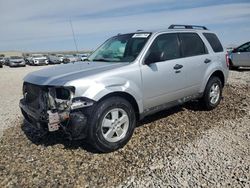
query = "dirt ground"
x=181 y=147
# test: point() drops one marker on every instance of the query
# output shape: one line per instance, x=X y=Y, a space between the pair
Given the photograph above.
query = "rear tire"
x=231 y=66
x=212 y=94
x=112 y=124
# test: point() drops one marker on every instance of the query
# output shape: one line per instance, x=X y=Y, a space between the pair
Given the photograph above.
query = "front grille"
x=42 y=60
x=17 y=61
x=33 y=95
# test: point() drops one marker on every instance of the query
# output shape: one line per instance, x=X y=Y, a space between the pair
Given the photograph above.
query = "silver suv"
x=127 y=78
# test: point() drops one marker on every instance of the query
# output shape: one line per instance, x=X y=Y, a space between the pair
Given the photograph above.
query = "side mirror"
x=234 y=50
x=154 y=57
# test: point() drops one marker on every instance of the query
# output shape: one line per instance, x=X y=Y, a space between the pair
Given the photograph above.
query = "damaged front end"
x=52 y=108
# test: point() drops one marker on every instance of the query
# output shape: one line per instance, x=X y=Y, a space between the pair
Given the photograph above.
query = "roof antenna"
x=73 y=34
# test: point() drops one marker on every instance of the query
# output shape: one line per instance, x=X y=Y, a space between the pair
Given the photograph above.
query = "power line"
x=73 y=33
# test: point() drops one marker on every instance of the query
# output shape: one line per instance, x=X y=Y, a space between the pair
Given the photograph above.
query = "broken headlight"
x=63 y=93
x=60 y=97
x=81 y=102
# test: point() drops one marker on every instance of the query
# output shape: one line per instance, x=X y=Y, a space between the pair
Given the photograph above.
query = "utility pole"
x=73 y=33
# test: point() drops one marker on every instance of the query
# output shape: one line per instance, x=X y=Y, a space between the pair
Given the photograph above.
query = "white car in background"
x=70 y=58
x=83 y=57
x=39 y=59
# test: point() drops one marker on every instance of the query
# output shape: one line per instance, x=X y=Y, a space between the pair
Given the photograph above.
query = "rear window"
x=214 y=42
x=191 y=44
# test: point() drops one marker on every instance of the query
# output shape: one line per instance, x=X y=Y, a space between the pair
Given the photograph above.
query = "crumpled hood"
x=61 y=74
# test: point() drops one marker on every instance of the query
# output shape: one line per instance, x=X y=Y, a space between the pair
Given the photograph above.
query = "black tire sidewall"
x=206 y=98
x=95 y=132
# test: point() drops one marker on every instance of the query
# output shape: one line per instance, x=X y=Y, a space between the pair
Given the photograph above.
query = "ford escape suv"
x=127 y=78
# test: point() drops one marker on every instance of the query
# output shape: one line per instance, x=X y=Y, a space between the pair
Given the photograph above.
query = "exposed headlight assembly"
x=81 y=102
x=60 y=97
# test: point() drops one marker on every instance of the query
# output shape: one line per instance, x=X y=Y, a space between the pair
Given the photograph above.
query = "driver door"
x=163 y=77
x=242 y=55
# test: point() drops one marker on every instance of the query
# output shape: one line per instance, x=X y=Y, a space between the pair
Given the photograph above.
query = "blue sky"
x=30 y=25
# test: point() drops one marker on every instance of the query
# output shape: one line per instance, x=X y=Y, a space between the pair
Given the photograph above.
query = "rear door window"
x=191 y=44
x=214 y=42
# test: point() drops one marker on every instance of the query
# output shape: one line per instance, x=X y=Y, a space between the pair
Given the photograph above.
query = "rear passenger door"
x=195 y=60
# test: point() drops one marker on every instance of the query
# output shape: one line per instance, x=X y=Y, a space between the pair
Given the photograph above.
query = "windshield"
x=69 y=56
x=121 y=48
x=38 y=56
x=15 y=57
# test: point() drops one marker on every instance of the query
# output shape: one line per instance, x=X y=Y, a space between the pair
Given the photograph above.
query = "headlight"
x=63 y=93
x=81 y=102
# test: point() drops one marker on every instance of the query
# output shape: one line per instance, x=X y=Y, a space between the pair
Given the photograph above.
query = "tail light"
x=227 y=59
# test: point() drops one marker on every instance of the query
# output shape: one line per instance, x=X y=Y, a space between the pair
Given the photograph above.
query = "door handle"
x=177 y=67
x=207 y=61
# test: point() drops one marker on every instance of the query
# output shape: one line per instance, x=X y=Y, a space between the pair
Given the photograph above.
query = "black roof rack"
x=187 y=27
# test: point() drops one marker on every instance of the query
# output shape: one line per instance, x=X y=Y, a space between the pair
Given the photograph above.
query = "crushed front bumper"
x=74 y=124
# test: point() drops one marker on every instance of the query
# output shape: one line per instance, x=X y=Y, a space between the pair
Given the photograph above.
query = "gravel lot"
x=11 y=80
x=181 y=147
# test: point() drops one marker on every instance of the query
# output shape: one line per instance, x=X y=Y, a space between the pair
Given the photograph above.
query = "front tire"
x=112 y=124
x=212 y=94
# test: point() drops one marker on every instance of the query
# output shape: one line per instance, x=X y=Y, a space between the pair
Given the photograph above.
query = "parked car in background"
x=56 y=58
x=27 y=59
x=16 y=61
x=38 y=59
x=77 y=57
x=130 y=76
x=83 y=57
x=240 y=56
x=70 y=58
x=2 y=61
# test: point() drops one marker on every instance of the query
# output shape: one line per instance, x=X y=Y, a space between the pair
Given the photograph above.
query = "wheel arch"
x=215 y=72
x=127 y=97
x=220 y=75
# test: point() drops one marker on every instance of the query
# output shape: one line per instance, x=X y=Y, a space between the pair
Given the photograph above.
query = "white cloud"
x=34 y=20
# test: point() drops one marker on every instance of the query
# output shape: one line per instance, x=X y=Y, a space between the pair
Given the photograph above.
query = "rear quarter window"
x=214 y=42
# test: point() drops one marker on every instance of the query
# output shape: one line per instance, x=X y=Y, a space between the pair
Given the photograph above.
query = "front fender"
x=98 y=90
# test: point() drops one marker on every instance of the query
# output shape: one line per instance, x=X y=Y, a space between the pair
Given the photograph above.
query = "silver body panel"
x=241 y=59
x=240 y=56
x=150 y=85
